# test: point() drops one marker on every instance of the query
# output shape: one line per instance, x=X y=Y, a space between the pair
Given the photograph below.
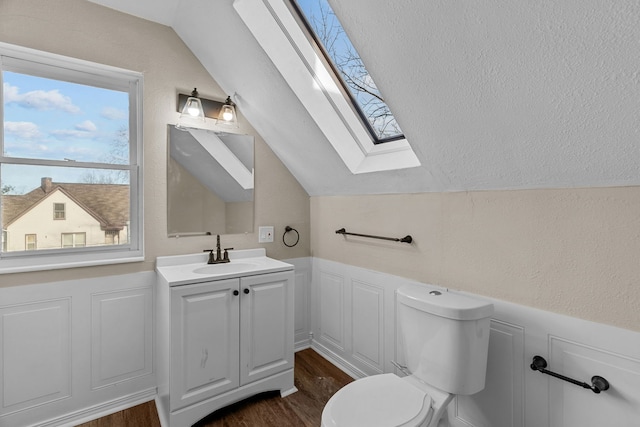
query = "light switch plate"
x=265 y=234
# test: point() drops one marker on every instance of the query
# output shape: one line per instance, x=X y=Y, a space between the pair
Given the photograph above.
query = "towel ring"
x=286 y=230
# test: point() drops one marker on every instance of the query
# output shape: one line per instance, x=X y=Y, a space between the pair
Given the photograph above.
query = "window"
x=329 y=36
x=30 y=242
x=282 y=33
x=74 y=240
x=58 y=211
x=71 y=139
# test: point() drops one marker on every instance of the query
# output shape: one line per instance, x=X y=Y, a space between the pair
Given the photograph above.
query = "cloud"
x=86 y=129
x=87 y=126
x=71 y=133
x=39 y=99
x=113 y=113
x=26 y=130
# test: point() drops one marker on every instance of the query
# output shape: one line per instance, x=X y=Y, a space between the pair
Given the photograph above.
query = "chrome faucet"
x=218 y=258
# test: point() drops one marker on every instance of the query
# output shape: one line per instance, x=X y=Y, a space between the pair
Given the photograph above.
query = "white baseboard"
x=101 y=410
x=337 y=361
x=302 y=345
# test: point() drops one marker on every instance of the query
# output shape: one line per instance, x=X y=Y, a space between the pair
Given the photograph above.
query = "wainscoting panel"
x=332 y=326
x=350 y=304
x=574 y=406
x=367 y=318
x=35 y=354
x=74 y=350
x=118 y=356
x=356 y=305
x=503 y=387
x=302 y=323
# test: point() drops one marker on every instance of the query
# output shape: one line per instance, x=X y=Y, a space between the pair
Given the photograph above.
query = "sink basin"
x=231 y=267
x=178 y=270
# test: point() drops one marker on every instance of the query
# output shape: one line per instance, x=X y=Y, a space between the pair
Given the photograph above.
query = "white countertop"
x=181 y=269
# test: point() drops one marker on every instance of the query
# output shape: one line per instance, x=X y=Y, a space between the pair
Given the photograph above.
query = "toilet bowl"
x=378 y=401
x=435 y=326
x=385 y=400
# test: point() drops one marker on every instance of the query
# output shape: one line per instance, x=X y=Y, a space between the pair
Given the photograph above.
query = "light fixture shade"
x=193 y=108
x=227 y=115
x=192 y=112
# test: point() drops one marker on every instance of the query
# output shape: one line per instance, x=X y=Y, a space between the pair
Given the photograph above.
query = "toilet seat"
x=383 y=400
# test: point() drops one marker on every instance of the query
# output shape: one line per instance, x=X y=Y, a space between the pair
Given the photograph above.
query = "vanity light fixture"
x=194 y=109
x=227 y=114
x=191 y=111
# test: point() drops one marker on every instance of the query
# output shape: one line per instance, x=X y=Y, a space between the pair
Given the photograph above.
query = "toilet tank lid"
x=444 y=304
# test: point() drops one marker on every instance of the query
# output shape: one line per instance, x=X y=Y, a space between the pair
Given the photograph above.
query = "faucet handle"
x=226 y=254
x=211 y=256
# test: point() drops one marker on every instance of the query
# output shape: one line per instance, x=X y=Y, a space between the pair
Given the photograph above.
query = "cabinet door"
x=204 y=341
x=266 y=325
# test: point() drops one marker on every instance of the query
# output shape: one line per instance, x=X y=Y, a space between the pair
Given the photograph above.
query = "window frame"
x=73 y=235
x=62 y=217
x=277 y=29
x=47 y=65
x=27 y=242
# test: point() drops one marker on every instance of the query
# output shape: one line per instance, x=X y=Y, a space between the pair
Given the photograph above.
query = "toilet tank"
x=445 y=337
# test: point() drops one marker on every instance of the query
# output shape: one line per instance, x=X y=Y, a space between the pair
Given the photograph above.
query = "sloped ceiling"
x=490 y=94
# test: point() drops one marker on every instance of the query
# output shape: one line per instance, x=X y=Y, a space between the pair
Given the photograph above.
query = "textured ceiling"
x=490 y=94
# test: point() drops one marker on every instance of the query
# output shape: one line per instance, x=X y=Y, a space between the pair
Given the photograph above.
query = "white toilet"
x=445 y=338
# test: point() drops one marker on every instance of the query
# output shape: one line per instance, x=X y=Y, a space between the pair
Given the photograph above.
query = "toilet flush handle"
x=402 y=368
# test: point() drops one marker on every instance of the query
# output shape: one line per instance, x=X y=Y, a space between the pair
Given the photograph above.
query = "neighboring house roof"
x=107 y=203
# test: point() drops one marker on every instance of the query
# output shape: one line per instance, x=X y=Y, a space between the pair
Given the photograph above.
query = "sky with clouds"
x=57 y=120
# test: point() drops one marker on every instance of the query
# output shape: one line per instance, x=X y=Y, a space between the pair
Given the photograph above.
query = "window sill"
x=56 y=262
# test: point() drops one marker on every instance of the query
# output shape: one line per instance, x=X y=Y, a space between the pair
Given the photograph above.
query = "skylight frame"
x=277 y=30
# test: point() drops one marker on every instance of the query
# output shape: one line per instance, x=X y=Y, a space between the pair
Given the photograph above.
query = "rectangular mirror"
x=209 y=182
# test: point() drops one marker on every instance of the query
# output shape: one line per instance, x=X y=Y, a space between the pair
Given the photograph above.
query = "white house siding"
x=39 y=220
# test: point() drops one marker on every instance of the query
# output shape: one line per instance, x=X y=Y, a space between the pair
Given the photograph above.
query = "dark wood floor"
x=316 y=379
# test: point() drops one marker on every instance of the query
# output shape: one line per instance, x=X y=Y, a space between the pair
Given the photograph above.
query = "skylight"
x=280 y=30
x=348 y=67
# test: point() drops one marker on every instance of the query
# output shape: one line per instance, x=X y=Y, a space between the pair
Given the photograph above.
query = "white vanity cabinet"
x=205 y=335
x=222 y=339
x=266 y=325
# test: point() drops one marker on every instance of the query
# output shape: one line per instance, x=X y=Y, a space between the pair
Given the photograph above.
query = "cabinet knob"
x=236 y=293
x=246 y=290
